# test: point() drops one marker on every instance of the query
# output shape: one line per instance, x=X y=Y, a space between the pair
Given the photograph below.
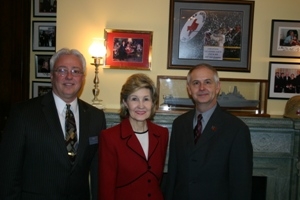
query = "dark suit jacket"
x=218 y=167
x=33 y=156
x=125 y=173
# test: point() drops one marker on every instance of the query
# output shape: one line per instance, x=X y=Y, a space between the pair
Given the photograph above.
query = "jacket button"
x=149 y=195
x=149 y=181
x=149 y=167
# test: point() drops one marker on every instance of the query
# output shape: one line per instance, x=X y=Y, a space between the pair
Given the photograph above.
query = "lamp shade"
x=97 y=49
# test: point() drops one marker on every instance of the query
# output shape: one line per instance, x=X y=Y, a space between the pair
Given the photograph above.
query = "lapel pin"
x=213 y=128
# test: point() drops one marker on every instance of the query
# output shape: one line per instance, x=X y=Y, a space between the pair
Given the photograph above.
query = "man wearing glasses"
x=49 y=146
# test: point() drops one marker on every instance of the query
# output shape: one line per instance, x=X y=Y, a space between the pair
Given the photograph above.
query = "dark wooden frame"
x=184 y=12
x=177 y=84
x=279 y=31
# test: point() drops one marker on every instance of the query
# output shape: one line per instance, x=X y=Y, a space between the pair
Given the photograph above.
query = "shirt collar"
x=206 y=115
x=61 y=105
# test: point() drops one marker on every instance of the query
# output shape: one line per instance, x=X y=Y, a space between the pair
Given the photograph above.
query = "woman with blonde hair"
x=132 y=154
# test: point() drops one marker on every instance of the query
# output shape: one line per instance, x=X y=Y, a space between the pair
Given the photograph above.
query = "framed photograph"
x=42 y=66
x=40 y=88
x=284 y=80
x=215 y=32
x=127 y=49
x=43 y=36
x=246 y=97
x=285 y=41
x=44 y=8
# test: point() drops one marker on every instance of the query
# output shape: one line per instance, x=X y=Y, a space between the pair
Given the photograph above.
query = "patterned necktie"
x=198 y=129
x=71 y=135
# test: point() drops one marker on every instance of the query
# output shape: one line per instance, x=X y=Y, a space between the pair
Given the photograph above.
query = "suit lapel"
x=132 y=142
x=51 y=115
x=83 y=130
x=153 y=139
x=190 y=131
x=210 y=130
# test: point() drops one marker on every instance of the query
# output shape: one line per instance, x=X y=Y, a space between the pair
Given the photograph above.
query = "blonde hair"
x=134 y=83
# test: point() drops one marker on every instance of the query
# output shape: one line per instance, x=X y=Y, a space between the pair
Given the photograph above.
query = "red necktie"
x=198 y=129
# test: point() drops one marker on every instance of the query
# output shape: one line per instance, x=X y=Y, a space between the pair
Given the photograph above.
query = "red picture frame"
x=128 y=49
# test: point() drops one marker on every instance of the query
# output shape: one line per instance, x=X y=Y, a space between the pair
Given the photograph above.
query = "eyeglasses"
x=64 y=72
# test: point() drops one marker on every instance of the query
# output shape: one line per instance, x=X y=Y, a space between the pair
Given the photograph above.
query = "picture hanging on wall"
x=43 y=35
x=285 y=41
x=128 y=49
x=217 y=33
x=44 y=8
x=40 y=88
x=42 y=66
x=284 y=80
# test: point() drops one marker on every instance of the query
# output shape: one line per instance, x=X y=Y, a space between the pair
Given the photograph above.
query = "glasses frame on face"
x=61 y=71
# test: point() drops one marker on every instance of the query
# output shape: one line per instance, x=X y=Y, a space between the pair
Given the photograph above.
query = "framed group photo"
x=42 y=66
x=217 y=33
x=128 y=49
x=284 y=80
x=43 y=35
x=285 y=41
x=40 y=88
x=44 y=8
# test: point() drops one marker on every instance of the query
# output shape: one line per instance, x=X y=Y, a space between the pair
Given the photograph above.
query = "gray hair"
x=66 y=51
x=203 y=65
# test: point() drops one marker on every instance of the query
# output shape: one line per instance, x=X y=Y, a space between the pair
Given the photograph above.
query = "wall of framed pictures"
x=284 y=76
x=43 y=44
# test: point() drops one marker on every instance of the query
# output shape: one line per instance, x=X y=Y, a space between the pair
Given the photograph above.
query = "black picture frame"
x=44 y=8
x=281 y=45
x=193 y=26
x=282 y=87
x=42 y=65
x=40 y=88
x=43 y=35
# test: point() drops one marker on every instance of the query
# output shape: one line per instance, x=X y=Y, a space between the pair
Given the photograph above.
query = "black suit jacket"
x=218 y=167
x=33 y=155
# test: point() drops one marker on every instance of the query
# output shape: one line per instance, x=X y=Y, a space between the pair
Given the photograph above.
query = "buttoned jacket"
x=125 y=173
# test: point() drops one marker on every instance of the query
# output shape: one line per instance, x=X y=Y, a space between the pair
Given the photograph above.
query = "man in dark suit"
x=35 y=162
x=217 y=166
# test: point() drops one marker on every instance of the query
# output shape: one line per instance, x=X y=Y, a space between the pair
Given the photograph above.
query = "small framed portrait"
x=215 y=32
x=44 y=8
x=43 y=36
x=42 y=66
x=128 y=49
x=284 y=80
x=40 y=88
x=285 y=41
